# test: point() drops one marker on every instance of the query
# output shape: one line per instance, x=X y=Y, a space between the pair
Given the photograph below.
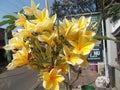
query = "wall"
x=112 y=52
x=117 y=78
x=111 y=45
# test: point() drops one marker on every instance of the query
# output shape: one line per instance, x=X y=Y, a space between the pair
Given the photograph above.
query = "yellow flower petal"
x=63 y=68
x=13 y=43
x=53 y=72
x=43 y=38
x=55 y=86
x=46 y=76
x=71 y=57
x=21 y=20
x=74 y=59
x=52 y=79
x=59 y=78
x=85 y=62
x=87 y=48
x=9 y=47
x=81 y=22
x=88 y=20
x=30 y=10
x=47 y=85
x=66 y=50
x=20 y=58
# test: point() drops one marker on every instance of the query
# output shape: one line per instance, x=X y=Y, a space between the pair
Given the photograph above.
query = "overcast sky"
x=11 y=6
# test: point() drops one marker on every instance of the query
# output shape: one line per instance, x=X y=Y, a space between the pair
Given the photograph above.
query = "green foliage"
x=10 y=27
x=114 y=11
x=9 y=20
x=56 y=8
x=72 y=7
x=11 y=17
x=5 y=22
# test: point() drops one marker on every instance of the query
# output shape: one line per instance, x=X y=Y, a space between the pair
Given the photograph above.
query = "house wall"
x=112 y=52
x=111 y=45
x=117 y=78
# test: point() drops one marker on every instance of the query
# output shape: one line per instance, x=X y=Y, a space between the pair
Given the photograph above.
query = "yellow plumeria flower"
x=82 y=46
x=48 y=38
x=15 y=43
x=88 y=20
x=29 y=26
x=63 y=68
x=21 y=20
x=29 y=29
x=21 y=33
x=90 y=33
x=68 y=29
x=52 y=79
x=20 y=58
x=30 y=10
x=71 y=57
x=82 y=22
x=24 y=33
x=85 y=62
x=41 y=15
x=64 y=27
x=43 y=21
x=48 y=47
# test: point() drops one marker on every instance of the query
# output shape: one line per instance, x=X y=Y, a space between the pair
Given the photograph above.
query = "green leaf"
x=11 y=17
x=21 y=11
x=105 y=38
x=5 y=22
x=10 y=27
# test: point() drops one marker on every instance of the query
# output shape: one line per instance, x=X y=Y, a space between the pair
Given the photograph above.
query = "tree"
x=72 y=7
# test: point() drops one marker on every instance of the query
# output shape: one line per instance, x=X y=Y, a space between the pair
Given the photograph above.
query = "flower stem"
x=46 y=3
x=69 y=78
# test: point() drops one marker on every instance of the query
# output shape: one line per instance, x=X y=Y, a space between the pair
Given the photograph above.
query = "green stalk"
x=69 y=78
x=46 y=3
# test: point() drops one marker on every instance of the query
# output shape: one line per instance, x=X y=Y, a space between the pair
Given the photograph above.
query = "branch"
x=78 y=74
x=74 y=69
x=116 y=4
x=108 y=6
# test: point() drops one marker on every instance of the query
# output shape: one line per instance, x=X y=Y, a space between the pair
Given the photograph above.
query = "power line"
x=83 y=14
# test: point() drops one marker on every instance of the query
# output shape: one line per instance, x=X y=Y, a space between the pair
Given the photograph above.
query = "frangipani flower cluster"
x=49 y=47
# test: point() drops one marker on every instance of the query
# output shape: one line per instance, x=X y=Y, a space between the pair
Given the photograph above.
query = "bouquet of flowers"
x=49 y=46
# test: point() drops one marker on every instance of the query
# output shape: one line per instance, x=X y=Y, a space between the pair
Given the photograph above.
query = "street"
x=19 y=79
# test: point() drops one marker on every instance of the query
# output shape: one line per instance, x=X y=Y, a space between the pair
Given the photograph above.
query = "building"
x=3 y=59
x=113 y=51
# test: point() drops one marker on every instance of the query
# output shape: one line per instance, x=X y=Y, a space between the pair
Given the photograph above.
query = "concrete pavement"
x=25 y=79
x=19 y=79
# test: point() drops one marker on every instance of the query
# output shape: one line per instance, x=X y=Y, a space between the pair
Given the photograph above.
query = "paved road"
x=19 y=79
x=24 y=79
